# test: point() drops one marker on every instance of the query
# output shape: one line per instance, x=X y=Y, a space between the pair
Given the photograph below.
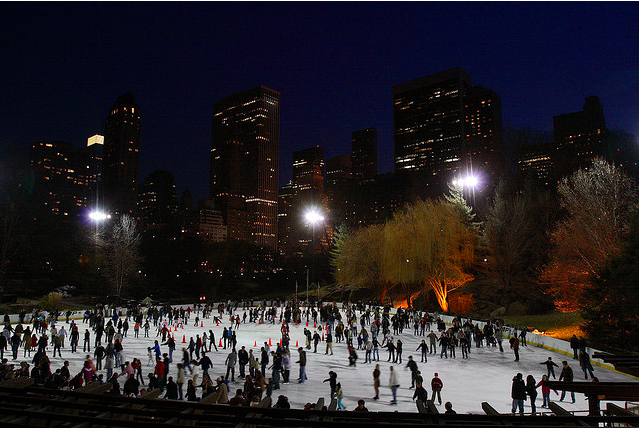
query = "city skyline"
x=334 y=78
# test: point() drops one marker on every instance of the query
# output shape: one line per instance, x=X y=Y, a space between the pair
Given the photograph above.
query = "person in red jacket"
x=436 y=385
x=159 y=374
x=545 y=390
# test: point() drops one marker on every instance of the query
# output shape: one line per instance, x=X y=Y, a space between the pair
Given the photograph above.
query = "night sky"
x=64 y=64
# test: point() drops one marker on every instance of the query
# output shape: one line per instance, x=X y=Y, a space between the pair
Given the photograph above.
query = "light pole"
x=313 y=217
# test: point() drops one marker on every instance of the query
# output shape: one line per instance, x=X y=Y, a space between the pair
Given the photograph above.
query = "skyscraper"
x=364 y=154
x=339 y=175
x=121 y=163
x=444 y=127
x=579 y=136
x=244 y=171
x=94 y=154
x=157 y=203
x=308 y=176
x=61 y=178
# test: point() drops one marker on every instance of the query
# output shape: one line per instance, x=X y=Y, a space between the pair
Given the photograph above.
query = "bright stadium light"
x=98 y=216
x=314 y=217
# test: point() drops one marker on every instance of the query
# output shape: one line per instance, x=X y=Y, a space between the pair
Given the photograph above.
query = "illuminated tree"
x=598 y=202
x=611 y=302
x=123 y=253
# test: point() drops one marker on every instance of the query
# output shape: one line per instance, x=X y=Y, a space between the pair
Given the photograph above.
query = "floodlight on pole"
x=98 y=216
x=314 y=217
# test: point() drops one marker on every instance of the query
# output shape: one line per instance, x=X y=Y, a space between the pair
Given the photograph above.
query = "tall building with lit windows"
x=442 y=129
x=121 y=162
x=579 y=136
x=243 y=178
x=364 y=154
x=308 y=176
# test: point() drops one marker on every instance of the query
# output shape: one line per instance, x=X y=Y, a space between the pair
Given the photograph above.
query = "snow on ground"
x=485 y=376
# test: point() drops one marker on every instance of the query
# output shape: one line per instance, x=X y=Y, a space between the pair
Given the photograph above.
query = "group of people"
x=261 y=372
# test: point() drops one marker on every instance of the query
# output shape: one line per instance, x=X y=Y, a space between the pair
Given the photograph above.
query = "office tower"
x=157 y=202
x=205 y=223
x=121 y=162
x=94 y=154
x=432 y=116
x=285 y=223
x=579 y=136
x=339 y=175
x=244 y=171
x=364 y=154
x=61 y=180
x=308 y=176
x=484 y=135
x=537 y=161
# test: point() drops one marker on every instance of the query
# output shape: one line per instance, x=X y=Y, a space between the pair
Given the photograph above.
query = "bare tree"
x=123 y=253
x=599 y=201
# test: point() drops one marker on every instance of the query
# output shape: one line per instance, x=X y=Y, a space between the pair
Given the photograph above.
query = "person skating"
x=584 y=362
x=376 y=381
x=243 y=360
x=393 y=383
x=567 y=376
x=436 y=385
x=432 y=338
x=514 y=344
x=531 y=391
x=550 y=366
x=332 y=381
x=518 y=394
x=230 y=362
x=574 y=345
x=545 y=390
x=339 y=395
x=424 y=349
x=421 y=393
x=413 y=371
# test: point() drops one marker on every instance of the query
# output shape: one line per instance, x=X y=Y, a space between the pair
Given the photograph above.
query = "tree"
x=516 y=232
x=598 y=202
x=611 y=302
x=123 y=253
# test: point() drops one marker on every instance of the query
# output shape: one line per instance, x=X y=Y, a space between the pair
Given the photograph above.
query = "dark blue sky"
x=64 y=64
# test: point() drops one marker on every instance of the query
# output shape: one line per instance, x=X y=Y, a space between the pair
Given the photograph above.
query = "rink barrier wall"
x=539 y=340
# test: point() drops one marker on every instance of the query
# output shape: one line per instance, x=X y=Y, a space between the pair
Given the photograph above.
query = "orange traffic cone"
x=280 y=341
x=217 y=323
x=220 y=342
x=202 y=324
x=175 y=328
x=169 y=330
x=306 y=323
x=297 y=343
x=255 y=345
x=184 y=338
x=260 y=322
x=269 y=341
x=173 y=336
x=182 y=327
x=314 y=325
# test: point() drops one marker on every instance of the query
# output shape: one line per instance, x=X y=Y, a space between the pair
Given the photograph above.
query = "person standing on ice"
x=413 y=371
x=316 y=340
x=436 y=385
x=567 y=376
x=432 y=338
x=424 y=349
x=518 y=393
x=302 y=362
x=376 y=381
x=393 y=382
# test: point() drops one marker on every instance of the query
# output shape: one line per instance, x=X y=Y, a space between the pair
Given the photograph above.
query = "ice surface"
x=485 y=376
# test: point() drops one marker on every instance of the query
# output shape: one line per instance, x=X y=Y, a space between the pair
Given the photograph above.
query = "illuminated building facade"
x=62 y=182
x=579 y=136
x=94 y=154
x=339 y=178
x=121 y=163
x=364 y=154
x=157 y=201
x=538 y=162
x=243 y=178
x=205 y=223
x=285 y=222
x=442 y=127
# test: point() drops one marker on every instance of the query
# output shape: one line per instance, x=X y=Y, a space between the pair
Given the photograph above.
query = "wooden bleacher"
x=25 y=405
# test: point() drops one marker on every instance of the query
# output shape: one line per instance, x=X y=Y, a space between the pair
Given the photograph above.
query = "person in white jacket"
x=181 y=378
x=393 y=382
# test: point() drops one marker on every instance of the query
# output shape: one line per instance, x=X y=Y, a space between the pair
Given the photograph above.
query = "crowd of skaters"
x=375 y=328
